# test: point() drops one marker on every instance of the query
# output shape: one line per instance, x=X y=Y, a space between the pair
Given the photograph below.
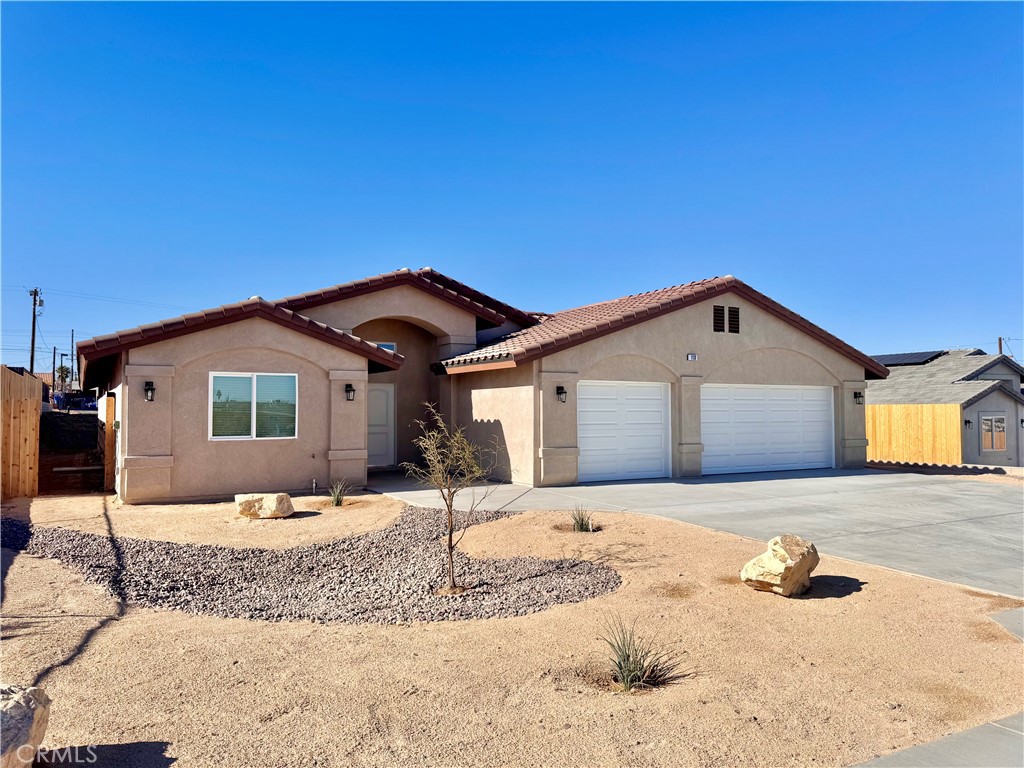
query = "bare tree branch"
x=451 y=464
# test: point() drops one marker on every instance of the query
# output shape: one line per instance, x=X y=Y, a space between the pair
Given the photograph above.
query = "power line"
x=109 y=299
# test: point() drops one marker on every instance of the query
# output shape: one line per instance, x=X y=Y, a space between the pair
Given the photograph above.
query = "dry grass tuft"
x=639 y=662
x=674 y=589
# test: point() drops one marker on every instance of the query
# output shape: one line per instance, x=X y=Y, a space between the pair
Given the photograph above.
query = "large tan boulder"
x=784 y=569
x=24 y=713
x=260 y=506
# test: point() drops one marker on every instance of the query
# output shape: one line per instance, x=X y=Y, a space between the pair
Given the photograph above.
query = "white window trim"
x=252 y=423
x=394 y=345
x=981 y=431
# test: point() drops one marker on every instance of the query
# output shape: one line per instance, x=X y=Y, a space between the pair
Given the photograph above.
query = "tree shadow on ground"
x=831 y=586
x=138 y=754
x=118 y=593
x=6 y=560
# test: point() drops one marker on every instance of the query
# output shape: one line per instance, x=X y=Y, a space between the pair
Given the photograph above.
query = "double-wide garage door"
x=765 y=428
x=625 y=434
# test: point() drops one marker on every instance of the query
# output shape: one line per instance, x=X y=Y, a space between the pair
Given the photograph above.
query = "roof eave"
x=110 y=344
x=384 y=282
x=486 y=365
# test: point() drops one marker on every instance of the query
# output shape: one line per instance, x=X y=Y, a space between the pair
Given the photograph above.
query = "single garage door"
x=764 y=428
x=623 y=430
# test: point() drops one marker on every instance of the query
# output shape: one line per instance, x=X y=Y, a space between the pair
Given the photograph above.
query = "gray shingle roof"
x=947 y=379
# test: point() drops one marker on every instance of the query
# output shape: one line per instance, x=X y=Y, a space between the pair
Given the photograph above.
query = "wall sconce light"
x=150 y=391
x=350 y=392
x=1022 y=423
x=968 y=423
x=561 y=393
x=858 y=398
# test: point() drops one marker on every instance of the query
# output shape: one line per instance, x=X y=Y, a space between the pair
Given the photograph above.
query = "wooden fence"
x=22 y=398
x=922 y=434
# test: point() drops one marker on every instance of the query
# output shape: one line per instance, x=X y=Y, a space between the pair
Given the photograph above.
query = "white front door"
x=380 y=425
x=623 y=430
x=761 y=428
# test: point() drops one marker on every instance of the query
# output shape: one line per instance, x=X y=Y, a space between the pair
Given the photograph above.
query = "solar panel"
x=908 y=358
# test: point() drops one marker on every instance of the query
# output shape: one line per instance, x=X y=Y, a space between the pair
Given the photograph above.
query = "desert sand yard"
x=869 y=662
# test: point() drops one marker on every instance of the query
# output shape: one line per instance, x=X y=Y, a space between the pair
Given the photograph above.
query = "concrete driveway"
x=966 y=531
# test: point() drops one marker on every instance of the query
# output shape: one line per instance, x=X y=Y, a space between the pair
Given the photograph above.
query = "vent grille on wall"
x=734 y=319
x=718 y=323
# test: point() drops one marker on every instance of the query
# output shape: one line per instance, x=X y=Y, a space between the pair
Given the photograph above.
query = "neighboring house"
x=957 y=406
x=703 y=378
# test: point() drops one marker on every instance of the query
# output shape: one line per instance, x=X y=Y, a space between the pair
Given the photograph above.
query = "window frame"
x=252 y=422
x=993 y=415
x=392 y=344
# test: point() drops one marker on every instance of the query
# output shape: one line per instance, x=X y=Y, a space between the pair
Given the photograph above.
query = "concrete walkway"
x=965 y=531
x=992 y=745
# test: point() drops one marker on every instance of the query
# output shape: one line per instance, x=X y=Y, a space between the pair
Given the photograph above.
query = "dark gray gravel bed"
x=382 y=577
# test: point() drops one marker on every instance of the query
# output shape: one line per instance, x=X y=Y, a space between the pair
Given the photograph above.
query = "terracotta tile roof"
x=510 y=312
x=426 y=280
x=109 y=344
x=562 y=330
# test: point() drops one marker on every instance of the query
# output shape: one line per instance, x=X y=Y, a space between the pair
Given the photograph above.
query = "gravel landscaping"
x=383 y=577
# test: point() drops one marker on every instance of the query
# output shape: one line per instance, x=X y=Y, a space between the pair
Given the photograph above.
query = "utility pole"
x=53 y=376
x=72 y=359
x=1000 y=345
x=34 y=293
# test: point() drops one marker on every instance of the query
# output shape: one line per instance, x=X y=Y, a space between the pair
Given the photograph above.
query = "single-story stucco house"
x=706 y=377
x=953 y=406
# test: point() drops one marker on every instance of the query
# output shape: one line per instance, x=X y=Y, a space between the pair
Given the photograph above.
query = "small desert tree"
x=451 y=464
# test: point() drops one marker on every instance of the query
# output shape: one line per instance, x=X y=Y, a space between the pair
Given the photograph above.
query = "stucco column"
x=447 y=398
x=558 y=449
x=851 y=435
x=147 y=461
x=450 y=346
x=347 y=453
x=686 y=428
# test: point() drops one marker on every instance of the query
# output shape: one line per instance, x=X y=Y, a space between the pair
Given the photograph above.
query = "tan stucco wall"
x=454 y=327
x=167 y=453
x=414 y=382
x=766 y=351
x=995 y=404
x=497 y=408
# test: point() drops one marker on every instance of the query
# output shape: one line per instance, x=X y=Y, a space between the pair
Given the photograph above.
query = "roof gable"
x=113 y=343
x=427 y=280
x=566 y=329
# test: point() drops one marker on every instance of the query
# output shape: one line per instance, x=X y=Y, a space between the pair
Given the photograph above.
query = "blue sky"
x=862 y=164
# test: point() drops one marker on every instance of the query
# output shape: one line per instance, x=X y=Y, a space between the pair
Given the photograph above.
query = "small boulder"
x=261 y=506
x=784 y=569
x=24 y=713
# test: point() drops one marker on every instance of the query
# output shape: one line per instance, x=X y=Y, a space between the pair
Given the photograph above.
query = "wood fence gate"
x=22 y=398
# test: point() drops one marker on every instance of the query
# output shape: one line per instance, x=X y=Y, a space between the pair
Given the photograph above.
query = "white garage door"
x=623 y=430
x=765 y=428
